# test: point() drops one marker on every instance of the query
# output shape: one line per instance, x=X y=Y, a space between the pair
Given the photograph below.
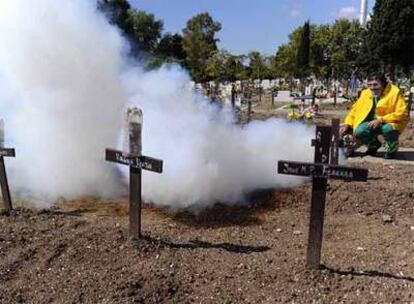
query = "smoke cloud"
x=64 y=84
x=60 y=68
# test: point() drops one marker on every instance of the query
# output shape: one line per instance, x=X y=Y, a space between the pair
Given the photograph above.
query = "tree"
x=320 y=51
x=234 y=68
x=199 y=43
x=302 y=59
x=223 y=66
x=257 y=66
x=345 y=47
x=214 y=69
x=146 y=30
x=118 y=13
x=139 y=27
x=390 y=37
x=333 y=50
x=171 y=46
x=283 y=64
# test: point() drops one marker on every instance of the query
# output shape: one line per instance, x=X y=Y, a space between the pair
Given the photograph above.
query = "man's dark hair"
x=379 y=77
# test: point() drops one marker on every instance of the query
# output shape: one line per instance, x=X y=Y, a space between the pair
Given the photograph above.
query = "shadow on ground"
x=368 y=273
x=404 y=155
x=197 y=244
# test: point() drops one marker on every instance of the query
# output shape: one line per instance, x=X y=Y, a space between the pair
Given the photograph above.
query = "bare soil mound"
x=80 y=251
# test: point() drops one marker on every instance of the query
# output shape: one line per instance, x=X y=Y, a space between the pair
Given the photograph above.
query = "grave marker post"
x=320 y=171
x=313 y=97
x=334 y=155
x=136 y=162
x=5 y=152
x=249 y=110
x=134 y=120
x=318 y=198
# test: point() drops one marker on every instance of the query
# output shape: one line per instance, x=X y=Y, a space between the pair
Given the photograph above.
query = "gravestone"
x=283 y=96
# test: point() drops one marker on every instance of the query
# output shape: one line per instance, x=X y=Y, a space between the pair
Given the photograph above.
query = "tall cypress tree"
x=302 y=58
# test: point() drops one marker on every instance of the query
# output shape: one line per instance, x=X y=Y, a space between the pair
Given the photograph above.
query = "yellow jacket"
x=391 y=108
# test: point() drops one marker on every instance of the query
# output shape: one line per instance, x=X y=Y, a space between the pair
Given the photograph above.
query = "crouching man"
x=380 y=110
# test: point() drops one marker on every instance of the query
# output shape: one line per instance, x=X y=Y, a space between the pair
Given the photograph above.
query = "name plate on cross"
x=326 y=144
x=322 y=170
x=7 y=152
x=134 y=161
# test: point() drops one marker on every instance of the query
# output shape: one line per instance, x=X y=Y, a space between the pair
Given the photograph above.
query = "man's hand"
x=374 y=123
x=344 y=129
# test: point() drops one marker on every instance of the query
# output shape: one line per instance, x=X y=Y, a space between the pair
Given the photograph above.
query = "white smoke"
x=60 y=63
x=207 y=158
x=63 y=86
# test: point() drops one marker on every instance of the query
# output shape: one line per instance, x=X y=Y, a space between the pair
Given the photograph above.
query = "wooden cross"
x=307 y=97
x=249 y=110
x=410 y=102
x=335 y=142
x=320 y=171
x=136 y=163
x=233 y=95
x=5 y=152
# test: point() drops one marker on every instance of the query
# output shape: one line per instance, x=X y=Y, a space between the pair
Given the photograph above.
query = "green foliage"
x=146 y=30
x=320 y=51
x=140 y=28
x=214 y=69
x=345 y=46
x=200 y=43
x=171 y=46
x=302 y=57
x=223 y=66
x=324 y=51
x=234 y=69
x=333 y=50
x=285 y=61
x=118 y=13
x=258 y=68
x=283 y=64
x=390 y=37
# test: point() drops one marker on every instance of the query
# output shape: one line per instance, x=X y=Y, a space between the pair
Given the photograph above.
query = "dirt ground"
x=80 y=252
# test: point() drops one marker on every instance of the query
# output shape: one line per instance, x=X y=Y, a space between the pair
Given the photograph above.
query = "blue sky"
x=247 y=25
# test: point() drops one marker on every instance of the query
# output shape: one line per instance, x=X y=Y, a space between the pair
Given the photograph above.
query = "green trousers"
x=366 y=135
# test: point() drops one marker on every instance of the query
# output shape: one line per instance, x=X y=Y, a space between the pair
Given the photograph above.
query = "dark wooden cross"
x=320 y=171
x=5 y=152
x=410 y=103
x=307 y=97
x=335 y=142
x=260 y=92
x=233 y=95
x=249 y=110
x=136 y=163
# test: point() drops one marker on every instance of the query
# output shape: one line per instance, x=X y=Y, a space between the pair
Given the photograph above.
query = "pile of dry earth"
x=79 y=252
